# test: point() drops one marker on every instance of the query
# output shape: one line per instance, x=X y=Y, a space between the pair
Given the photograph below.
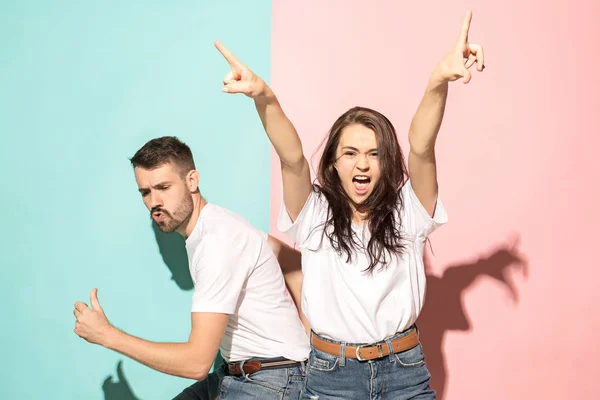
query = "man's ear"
x=192 y=180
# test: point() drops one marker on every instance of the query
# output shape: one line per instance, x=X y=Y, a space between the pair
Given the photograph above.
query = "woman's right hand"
x=241 y=79
x=295 y=171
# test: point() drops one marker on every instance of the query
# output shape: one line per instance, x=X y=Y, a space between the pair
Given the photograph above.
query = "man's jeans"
x=280 y=384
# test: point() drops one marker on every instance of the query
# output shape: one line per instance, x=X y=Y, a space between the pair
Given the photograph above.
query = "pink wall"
x=516 y=172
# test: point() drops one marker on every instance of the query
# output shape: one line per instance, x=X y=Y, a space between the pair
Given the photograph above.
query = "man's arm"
x=192 y=359
x=290 y=262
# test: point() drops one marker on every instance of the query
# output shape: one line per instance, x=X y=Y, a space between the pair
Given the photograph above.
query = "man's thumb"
x=94 y=300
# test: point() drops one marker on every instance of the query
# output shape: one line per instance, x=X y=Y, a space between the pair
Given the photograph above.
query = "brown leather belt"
x=368 y=351
x=253 y=366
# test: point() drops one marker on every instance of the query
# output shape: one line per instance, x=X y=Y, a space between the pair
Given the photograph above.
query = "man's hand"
x=91 y=325
x=456 y=62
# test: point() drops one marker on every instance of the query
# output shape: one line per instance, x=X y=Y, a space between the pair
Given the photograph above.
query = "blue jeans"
x=397 y=376
x=279 y=384
x=208 y=389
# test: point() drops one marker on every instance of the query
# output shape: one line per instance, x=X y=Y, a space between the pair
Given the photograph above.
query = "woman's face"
x=357 y=162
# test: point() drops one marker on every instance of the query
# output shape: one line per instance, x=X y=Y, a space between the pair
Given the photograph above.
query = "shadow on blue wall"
x=172 y=250
x=118 y=389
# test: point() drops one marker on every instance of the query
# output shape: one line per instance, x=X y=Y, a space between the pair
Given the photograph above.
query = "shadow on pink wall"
x=444 y=309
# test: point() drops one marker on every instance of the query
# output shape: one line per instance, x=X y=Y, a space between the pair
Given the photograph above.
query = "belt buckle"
x=379 y=351
x=358 y=353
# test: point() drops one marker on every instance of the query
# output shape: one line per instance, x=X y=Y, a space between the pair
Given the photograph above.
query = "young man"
x=239 y=304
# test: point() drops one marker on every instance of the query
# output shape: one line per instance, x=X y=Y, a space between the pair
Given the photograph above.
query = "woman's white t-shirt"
x=339 y=299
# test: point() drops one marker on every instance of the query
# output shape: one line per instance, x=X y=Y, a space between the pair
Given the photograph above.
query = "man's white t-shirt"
x=339 y=299
x=235 y=272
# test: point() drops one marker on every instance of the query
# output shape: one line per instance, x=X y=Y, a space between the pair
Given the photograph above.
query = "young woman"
x=361 y=230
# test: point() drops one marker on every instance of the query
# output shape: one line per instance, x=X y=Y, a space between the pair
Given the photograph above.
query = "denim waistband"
x=262 y=360
x=394 y=336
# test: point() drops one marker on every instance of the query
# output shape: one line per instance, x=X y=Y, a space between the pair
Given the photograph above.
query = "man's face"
x=166 y=195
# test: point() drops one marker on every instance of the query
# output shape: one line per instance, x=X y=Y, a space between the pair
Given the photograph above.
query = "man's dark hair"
x=160 y=151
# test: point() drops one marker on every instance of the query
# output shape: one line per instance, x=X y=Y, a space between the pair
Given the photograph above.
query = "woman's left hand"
x=456 y=62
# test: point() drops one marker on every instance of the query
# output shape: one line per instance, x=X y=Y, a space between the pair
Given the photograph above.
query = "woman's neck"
x=359 y=214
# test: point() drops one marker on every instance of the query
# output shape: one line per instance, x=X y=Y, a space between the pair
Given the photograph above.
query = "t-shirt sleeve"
x=300 y=229
x=416 y=219
x=220 y=271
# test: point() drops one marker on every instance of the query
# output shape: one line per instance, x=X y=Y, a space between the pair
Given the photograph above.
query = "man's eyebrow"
x=163 y=183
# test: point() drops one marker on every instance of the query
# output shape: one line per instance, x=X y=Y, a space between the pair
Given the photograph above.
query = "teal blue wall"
x=82 y=86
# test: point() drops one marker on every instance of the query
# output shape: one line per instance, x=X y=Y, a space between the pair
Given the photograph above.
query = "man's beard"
x=172 y=222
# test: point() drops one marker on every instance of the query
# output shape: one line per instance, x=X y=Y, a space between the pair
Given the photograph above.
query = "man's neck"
x=186 y=228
